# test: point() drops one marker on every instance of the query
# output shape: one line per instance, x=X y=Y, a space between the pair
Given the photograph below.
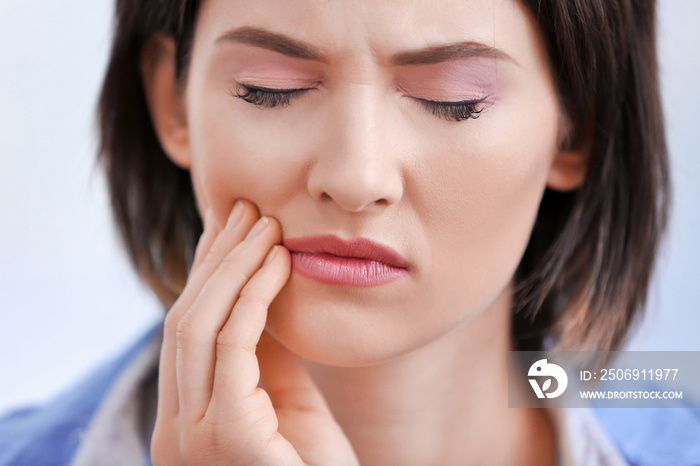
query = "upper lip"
x=360 y=248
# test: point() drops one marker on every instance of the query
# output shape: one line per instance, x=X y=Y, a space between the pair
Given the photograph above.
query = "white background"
x=68 y=298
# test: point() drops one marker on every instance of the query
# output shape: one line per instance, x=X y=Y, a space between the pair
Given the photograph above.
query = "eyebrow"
x=298 y=49
x=273 y=41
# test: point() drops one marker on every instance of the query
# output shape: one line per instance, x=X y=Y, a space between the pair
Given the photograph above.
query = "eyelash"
x=455 y=111
x=270 y=98
x=266 y=97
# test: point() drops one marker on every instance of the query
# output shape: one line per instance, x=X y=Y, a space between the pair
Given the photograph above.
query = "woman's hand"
x=211 y=409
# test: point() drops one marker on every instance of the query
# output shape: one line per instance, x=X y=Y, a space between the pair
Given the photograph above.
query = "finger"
x=208 y=256
x=206 y=240
x=237 y=373
x=285 y=378
x=199 y=328
x=242 y=217
x=297 y=401
x=167 y=386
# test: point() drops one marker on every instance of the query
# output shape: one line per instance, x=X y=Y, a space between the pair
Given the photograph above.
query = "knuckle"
x=161 y=448
x=229 y=341
x=229 y=261
x=206 y=445
x=225 y=341
x=231 y=267
x=210 y=258
x=185 y=333
x=192 y=446
x=171 y=321
x=253 y=298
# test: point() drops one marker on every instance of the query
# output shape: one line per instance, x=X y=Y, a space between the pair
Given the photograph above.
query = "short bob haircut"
x=585 y=273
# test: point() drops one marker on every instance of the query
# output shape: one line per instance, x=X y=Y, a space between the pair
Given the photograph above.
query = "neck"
x=444 y=403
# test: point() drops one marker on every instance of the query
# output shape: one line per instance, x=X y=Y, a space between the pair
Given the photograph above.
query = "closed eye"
x=269 y=98
x=455 y=111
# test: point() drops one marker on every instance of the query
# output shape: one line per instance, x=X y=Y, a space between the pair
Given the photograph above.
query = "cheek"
x=485 y=194
x=237 y=155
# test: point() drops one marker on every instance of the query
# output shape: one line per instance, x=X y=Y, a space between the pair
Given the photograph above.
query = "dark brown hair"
x=586 y=270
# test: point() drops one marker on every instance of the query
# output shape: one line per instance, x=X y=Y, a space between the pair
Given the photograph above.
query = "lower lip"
x=335 y=270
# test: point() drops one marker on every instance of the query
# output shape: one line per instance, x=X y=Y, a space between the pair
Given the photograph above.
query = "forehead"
x=343 y=29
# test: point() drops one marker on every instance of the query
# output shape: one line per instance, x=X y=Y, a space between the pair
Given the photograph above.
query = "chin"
x=344 y=327
x=323 y=324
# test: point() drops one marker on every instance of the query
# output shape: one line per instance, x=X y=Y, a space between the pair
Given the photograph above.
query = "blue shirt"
x=107 y=418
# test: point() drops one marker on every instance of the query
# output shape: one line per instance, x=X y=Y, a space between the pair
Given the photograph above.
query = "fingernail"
x=235 y=216
x=258 y=227
x=270 y=255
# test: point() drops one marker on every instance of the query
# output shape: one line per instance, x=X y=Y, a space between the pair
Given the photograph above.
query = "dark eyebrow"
x=442 y=53
x=297 y=49
x=273 y=41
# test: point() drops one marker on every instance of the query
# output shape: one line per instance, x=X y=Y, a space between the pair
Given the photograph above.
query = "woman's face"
x=359 y=154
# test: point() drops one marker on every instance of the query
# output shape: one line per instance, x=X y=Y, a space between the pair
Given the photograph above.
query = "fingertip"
x=250 y=205
x=271 y=255
x=283 y=253
x=285 y=250
x=276 y=227
x=280 y=259
x=287 y=259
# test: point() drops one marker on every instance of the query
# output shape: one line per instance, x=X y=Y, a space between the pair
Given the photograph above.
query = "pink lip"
x=357 y=262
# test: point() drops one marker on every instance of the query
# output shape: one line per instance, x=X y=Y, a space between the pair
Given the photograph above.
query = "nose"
x=357 y=169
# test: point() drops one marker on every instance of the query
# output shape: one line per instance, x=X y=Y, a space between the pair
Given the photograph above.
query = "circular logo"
x=542 y=370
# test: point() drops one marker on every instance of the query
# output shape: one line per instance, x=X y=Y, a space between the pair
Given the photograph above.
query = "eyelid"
x=294 y=90
x=273 y=89
x=400 y=87
x=453 y=102
x=452 y=111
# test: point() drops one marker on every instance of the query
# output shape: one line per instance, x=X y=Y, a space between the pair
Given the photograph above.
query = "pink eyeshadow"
x=267 y=68
x=451 y=81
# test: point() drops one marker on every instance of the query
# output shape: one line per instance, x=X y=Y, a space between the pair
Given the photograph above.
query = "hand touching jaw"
x=428 y=129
